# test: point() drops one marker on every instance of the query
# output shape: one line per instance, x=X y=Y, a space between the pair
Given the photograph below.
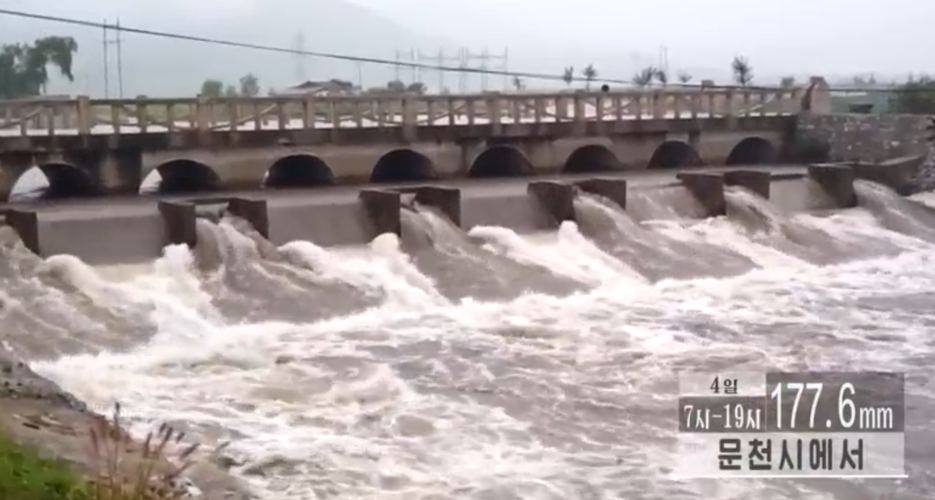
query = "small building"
x=326 y=87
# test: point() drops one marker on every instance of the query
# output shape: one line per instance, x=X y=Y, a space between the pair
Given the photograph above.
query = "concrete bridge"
x=104 y=147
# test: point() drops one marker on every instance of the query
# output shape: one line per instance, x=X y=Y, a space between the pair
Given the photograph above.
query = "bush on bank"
x=26 y=475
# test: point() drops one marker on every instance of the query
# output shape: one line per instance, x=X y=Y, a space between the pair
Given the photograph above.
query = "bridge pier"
x=837 y=181
x=26 y=225
x=708 y=189
x=445 y=199
x=178 y=219
x=382 y=208
x=253 y=211
x=755 y=181
x=555 y=198
x=896 y=173
x=614 y=190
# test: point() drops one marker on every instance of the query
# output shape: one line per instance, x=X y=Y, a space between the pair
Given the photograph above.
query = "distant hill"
x=164 y=67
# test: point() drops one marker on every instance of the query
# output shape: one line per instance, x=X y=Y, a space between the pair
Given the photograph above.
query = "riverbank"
x=51 y=443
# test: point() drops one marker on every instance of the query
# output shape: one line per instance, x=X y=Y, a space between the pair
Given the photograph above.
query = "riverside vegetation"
x=26 y=475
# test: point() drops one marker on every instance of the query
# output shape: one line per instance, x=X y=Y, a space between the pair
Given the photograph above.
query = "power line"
x=462 y=68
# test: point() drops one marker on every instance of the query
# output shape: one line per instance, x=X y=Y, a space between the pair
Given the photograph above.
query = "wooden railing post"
x=470 y=108
x=579 y=117
x=561 y=108
x=308 y=112
x=494 y=115
x=599 y=105
x=85 y=118
x=336 y=119
x=658 y=105
x=282 y=117
x=202 y=111
x=141 y=118
x=730 y=107
x=409 y=118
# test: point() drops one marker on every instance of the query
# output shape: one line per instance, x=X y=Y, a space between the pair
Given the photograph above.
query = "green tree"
x=212 y=88
x=684 y=77
x=743 y=71
x=916 y=96
x=249 y=85
x=662 y=77
x=645 y=77
x=518 y=83
x=417 y=88
x=569 y=75
x=396 y=86
x=589 y=73
x=230 y=91
x=24 y=67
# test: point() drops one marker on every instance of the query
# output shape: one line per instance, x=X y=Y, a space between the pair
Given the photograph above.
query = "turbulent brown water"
x=489 y=365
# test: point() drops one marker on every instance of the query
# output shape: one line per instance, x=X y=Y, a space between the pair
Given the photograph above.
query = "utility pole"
x=299 y=46
x=106 y=43
x=398 y=65
x=484 y=60
x=119 y=59
x=485 y=66
x=463 y=62
x=439 y=60
x=104 y=46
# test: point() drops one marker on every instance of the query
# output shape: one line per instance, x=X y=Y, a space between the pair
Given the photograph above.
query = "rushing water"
x=415 y=368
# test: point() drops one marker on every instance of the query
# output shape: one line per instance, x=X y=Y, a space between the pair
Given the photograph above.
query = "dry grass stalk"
x=122 y=474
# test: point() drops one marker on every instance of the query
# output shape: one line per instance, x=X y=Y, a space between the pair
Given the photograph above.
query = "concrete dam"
x=469 y=336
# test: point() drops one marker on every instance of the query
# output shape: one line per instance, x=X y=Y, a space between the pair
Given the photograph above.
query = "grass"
x=118 y=474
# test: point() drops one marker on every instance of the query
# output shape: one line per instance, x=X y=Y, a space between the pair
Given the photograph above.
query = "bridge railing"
x=153 y=115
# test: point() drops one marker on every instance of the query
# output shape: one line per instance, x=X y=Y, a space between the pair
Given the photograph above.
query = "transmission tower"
x=115 y=40
x=439 y=59
x=465 y=61
x=299 y=45
x=485 y=66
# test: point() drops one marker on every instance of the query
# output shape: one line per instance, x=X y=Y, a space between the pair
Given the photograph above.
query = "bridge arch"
x=752 y=151
x=591 y=159
x=403 y=165
x=181 y=176
x=54 y=181
x=675 y=154
x=500 y=161
x=299 y=170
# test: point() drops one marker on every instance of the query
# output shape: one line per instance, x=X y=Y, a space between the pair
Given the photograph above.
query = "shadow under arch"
x=61 y=181
x=752 y=151
x=500 y=161
x=183 y=176
x=299 y=170
x=403 y=165
x=675 y=154
x=592 y=159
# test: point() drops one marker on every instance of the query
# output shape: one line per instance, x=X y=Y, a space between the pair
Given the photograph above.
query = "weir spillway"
x=135 y=229
x=516 y=339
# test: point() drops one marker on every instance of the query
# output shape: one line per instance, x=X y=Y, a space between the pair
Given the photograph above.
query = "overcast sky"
x=801 y=37
x=784 y=36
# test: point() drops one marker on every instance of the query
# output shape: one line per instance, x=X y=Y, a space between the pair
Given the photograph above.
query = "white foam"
x=539 y=397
